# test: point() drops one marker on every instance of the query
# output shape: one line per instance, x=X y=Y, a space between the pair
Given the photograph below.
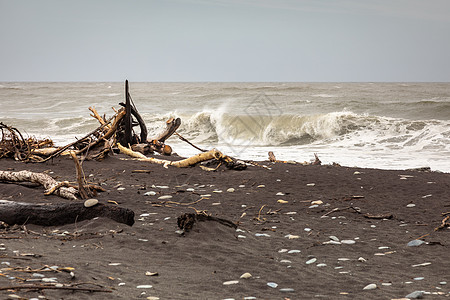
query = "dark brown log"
x=171 y=126
x=141 y=122
x=127 y=116
x=60 y=213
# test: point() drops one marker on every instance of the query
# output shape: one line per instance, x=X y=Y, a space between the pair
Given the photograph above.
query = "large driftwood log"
x=61 y=213
x=45 y=180
x=212 y=154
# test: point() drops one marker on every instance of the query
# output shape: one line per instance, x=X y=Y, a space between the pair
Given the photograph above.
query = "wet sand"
x=273 y=241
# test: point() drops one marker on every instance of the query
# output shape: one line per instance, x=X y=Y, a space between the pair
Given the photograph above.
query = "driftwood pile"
x=114 y=134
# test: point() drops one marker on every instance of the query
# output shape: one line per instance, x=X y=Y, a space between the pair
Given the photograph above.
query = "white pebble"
x=410 y=205
x=371 y=286
x=261 y=186
x=90 y=202
x=231 y=282
x=165 y=197
x=272 y=284
x=190 y=189
x=348 y=242
x=151 y=193
x=230 y=190
x=321 y=265
x=279 y=194
x=311 y=261
x=246 y=276
x=293 y=251
x=144 y=286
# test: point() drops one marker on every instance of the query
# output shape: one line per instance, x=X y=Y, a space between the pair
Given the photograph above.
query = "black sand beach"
x=287 y=245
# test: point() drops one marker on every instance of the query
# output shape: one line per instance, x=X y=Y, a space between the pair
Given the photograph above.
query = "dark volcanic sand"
x=196 y=265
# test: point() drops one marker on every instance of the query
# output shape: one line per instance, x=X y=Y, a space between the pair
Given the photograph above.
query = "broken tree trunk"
x=50 y=184
x=60 y=213
x=212 y=154
x=171 y=126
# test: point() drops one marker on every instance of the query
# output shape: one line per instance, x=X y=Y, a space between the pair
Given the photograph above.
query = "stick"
x=185 y=140
x=52 y=287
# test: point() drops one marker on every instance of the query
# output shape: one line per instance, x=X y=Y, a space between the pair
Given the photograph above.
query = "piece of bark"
x=43 y=179
x=60 y=213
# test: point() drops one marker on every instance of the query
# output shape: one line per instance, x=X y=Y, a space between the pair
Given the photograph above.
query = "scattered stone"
x=151 y=273
x=287 y=290
x=246 y=276
x=280 y=194
x=291 y=213
x=371 y=286
x=386 y=283
x=152 y=298
x=282 y=201
x=410 y=205
x=317 y=202
x=262 y=234
x=383 y=247
x=205 y=195
x=343 y=259
x=419 y=278
x=314 y=206
x=307 y=229
x=310 y=184
x=348 y=242
x=293 y=251
x=415 y=295
x=230 y=190
x=242 y=186
x=144 y=286
x=282 y=250
x=261 y=186
x=291 y=236
x=151 y=193
x=90 y=202
x=240 y=236
x=443 y=282
x=272 y=284
x=231 y=282
x=415 y=243
x=162 y=186
x=421 y=265
x=321 y=265
x=332 y=237
x=165 y=197
x=217 y=191
x=190 y=190
x=362 y=259
x=285 y=261
x=311 y=261
x=120 y=188
x=114 y=264
x=331 y=243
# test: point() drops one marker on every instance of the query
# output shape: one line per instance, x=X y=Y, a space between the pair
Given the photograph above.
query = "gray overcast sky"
x=225 y=40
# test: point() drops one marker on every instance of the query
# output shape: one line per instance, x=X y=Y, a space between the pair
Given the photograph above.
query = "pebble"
x=38 y=275
x=151 y=193
x=307 y=229
x=52 y=279
x=145 y=215
x=90 y=202
x=230 y=190
x=280 y=194
x=162 y=186
x=331 y=243
x=287 y=290
x=242 y=186
x=415 y=243
x=311 y=261
x=283 y=250
x=317 y=202
x=386 y=283
x=291 y=213
x=240 y=236
x=285 y=261
x=231 y=282
x=419 y=278
x=246 y=276
x=371 y=286
x=443 y=282
x=310 y=184
x=410 y=205
x=190 y=189
x=114 y=264
x=217 y=191
x=415 y=295
x=262 y=234
x=334 y=238
x=362 y=259
x=314 y=206
x=121 y=283
x=120 y=188
x=348 y=242
x=261 y=186
x=293 y=251
x=152 y=298
x=165 y=197
x=144 y=286
x=421 y=265
x=321 y=265
x=291 y=236
x=343 y=259
x=272 y=284
x=205 y=195
x=282 y=201
x=250 y=298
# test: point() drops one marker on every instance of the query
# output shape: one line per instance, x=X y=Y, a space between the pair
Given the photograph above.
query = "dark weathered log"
x=127 y=119
x=171 y=126
x=60 y=213
x=186 y=221
x=141 y=122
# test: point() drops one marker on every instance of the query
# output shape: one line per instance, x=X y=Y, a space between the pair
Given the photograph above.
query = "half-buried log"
x=60 y=213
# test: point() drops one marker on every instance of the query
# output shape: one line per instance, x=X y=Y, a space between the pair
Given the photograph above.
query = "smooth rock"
x=282 y=201
x=415 y=295
x=317 y=202
x=144 y=286
x=443 y=282
x=151 y=193
x=165 y=197
x=230 y=190
x=285 y=261
x=272 y=284
x=410 y=205
x=120 y=188
x=415 y=243
x=280 y=194
x=90 y=202
x=293 y=251
x=261 y=186
x=321 y=265
x=310 y=184
x=419 y=278
x=314 y=206
x=190 y=190
x=246 y=276
x=287 y=290
x=371 y=286
x=291 y=236
x=348 y=242
x=231 y=282
x=262 y=234
x=311 y=261
x=283 y=250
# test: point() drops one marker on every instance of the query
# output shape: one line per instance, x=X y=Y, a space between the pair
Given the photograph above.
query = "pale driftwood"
x=46 y=214
x=212 y=154
x=84 y=192
x=43 y=179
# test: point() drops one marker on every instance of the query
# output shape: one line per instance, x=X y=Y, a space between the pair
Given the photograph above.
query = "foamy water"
x=377 y=125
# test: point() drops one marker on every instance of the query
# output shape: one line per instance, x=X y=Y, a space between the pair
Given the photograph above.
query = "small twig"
x=259 y=214
x=185 y=140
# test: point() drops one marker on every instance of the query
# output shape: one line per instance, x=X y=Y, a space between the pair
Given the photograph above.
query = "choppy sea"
x=374 y=125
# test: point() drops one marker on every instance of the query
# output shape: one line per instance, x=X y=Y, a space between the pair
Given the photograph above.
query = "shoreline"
x=283 y=242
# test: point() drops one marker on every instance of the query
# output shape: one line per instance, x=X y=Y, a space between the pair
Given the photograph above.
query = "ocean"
x=371 y=125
